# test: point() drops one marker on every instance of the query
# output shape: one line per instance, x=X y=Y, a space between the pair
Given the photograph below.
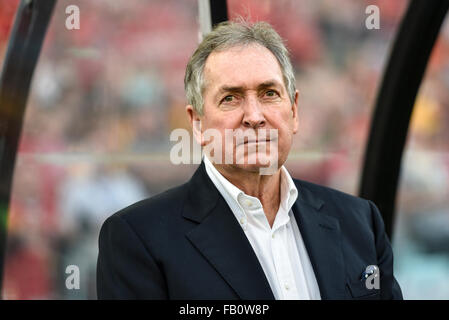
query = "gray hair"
x=231 y=34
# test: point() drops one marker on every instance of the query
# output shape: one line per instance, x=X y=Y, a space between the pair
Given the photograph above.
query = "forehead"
x=245 y=66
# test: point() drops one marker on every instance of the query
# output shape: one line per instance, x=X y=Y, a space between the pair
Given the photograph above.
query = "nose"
x=252 y=114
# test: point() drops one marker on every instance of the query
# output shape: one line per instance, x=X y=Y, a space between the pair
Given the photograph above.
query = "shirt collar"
x=223 y=183
x=289 y=192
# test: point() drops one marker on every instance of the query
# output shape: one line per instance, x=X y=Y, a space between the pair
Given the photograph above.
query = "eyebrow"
x=240 y=89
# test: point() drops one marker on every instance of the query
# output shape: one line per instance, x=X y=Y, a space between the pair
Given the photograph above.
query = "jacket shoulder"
x=341 y=205
x=329 y=194
x=154 y=209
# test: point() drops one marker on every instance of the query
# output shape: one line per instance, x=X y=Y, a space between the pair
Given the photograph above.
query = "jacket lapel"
x=321 y=234
x=221 y=240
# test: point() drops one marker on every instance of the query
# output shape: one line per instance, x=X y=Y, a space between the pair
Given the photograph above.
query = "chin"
x=254 y=163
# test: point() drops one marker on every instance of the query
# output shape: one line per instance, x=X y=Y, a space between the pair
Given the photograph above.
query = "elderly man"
x=232 y=232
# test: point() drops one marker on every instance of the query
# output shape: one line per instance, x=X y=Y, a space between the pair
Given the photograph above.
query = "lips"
x=255 y=141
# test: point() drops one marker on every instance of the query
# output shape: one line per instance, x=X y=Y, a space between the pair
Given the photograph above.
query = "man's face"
x=244 y=89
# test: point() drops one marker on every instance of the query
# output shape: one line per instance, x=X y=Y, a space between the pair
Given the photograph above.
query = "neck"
x=264 y=187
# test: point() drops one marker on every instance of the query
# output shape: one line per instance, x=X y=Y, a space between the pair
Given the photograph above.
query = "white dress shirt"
x=280 y=249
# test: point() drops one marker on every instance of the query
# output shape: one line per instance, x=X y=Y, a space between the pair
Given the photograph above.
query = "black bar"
x=25 y=43
x=218 y=11
x=401 y=80
x=223 y=309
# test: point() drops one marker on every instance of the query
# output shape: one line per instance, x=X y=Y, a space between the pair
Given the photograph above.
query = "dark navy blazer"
x=185 y=243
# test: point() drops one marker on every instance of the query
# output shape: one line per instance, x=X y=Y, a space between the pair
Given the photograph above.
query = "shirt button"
x=242 y=221
x=272 y=235
x=287 y=287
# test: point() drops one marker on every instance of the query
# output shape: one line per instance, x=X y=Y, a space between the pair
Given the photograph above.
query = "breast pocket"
x=359 y=291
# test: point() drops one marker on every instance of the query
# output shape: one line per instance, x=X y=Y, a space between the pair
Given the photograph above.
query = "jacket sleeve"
x=125 y=268
x=389 y=287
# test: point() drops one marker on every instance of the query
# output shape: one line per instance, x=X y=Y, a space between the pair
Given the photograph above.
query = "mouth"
x=255 y=141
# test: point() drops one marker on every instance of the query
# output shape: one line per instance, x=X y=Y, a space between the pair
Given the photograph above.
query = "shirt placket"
x=282 y=263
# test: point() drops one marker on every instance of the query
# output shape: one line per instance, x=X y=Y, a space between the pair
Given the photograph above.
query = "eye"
x=229 y=98
x=271 y=93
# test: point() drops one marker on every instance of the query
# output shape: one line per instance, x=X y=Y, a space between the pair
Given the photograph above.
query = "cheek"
x=285 y=141
x=285 y=132
x=289 y=124
x=225 y=120
x=218 y=126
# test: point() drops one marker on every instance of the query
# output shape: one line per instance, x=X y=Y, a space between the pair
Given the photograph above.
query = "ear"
x=195 y=122
x=295 y=113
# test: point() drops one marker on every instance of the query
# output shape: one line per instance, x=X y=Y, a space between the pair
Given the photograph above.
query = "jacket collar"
x=322 y=238
x=223 y=243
